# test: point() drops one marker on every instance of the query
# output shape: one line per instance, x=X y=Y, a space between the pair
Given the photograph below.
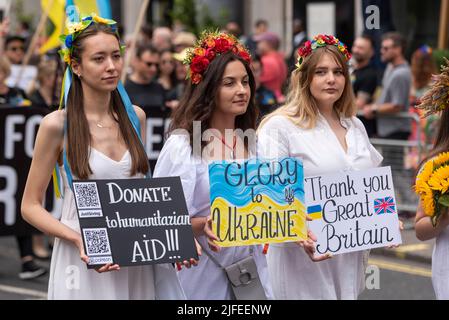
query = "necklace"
x=234 y=141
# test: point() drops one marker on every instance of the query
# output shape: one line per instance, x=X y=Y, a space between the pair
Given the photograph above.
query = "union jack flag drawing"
x=384 y=205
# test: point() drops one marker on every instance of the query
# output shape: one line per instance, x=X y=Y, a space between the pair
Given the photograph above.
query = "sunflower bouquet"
x=432 y=185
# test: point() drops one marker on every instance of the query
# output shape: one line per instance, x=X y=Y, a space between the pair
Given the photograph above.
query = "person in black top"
x=364 y=78
x=144 y=91
x=142 y=86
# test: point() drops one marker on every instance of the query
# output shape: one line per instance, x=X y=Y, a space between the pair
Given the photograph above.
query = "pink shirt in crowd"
x=274 y=73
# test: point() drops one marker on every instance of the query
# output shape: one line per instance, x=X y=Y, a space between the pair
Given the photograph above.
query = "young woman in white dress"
x=95 y=138
x=219 y=97
x=318 y=125
x=424 y=228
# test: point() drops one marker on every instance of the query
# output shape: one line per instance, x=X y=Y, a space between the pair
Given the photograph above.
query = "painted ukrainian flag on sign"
x=57 y=15
x=315 y=212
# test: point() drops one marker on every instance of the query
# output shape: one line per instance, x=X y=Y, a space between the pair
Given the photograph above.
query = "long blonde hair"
x=301 y=107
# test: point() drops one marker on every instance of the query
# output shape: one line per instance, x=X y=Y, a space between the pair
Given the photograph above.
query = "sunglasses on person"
x=16 y=49
x=151 y=64
x=386 y=48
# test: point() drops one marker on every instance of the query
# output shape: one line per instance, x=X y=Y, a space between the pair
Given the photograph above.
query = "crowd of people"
x=323 y=104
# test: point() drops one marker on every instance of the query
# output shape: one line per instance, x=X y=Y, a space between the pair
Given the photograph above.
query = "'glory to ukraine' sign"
x=257 y=202
x=353 y=211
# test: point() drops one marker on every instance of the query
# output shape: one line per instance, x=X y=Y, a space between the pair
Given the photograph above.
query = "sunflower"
x=428 y=202
x=441 y=159
x=439 y=180
x=424 y=175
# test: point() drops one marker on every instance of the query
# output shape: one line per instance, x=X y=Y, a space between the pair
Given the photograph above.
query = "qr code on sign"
x=86 y=195
x=97 y=241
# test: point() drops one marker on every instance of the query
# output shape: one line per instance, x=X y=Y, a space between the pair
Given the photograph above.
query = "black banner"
x=134 y=221
x=157 y=124
x=18 y=131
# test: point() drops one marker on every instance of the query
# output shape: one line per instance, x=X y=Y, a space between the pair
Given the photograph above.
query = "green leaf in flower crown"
x=444 y=200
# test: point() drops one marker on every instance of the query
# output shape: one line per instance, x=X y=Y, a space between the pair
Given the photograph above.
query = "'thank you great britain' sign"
x=352 y=211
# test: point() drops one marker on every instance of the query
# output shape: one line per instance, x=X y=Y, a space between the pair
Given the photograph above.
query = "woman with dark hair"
x=429 y=225
x=97 y=136
x=219 y=101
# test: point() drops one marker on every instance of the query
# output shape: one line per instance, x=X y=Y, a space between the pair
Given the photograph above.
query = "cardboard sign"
x=257 y=201
x=134 y=221
x=353 y=211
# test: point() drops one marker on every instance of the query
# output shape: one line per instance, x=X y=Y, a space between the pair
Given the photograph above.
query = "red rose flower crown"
x=319 y=41
x=209 y=46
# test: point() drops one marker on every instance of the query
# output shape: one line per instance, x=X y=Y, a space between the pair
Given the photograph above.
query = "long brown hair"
x=442 y=139
x=198 y=102
x=423 y=66
x=78 y=135
x=301 y=107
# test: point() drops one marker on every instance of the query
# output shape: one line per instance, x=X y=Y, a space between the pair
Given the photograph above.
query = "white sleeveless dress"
x=440 y=266
x=69 y=277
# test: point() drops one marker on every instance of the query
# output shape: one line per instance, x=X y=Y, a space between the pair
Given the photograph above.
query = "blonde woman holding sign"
x=219 y=97
x=95 y=137
x=318 y=125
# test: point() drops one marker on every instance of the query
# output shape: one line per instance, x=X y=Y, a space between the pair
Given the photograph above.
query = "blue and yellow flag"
x=315 y=212
x=63 y=9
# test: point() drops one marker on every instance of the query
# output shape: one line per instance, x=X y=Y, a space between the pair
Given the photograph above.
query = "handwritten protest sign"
x=134 y=221
x=353 y=211
x=256 y=201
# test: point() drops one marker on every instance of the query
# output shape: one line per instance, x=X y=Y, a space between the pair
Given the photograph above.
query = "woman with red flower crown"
x=220 y=97
x=318 y=125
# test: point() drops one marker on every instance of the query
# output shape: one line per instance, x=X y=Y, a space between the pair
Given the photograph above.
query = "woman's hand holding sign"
x=106 y=268
x=309 y=246
x=202 y=226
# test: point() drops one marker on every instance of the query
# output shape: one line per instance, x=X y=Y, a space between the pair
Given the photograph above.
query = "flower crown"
x=209 y=46
x=76 y=28
x=436 y=99
x=319 y=41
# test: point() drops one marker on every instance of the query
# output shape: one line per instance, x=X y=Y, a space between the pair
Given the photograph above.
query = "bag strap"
x=214 y=260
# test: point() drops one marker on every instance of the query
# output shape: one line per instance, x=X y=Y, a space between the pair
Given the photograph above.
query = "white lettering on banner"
x=154 y=138
x=30 y=136
x=11 y=136
x=7 y=195
x=117 y=194
x=156 y=220
x=147 y=256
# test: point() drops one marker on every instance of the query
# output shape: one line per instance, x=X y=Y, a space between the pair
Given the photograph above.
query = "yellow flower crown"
x=76 y=28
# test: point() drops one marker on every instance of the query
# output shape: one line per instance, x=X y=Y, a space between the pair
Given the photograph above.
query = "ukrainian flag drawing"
x=315 y=212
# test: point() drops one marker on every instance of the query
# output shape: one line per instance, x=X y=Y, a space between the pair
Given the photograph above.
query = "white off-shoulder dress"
x=205 y=281
x=69 y=277
x=292 y=273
